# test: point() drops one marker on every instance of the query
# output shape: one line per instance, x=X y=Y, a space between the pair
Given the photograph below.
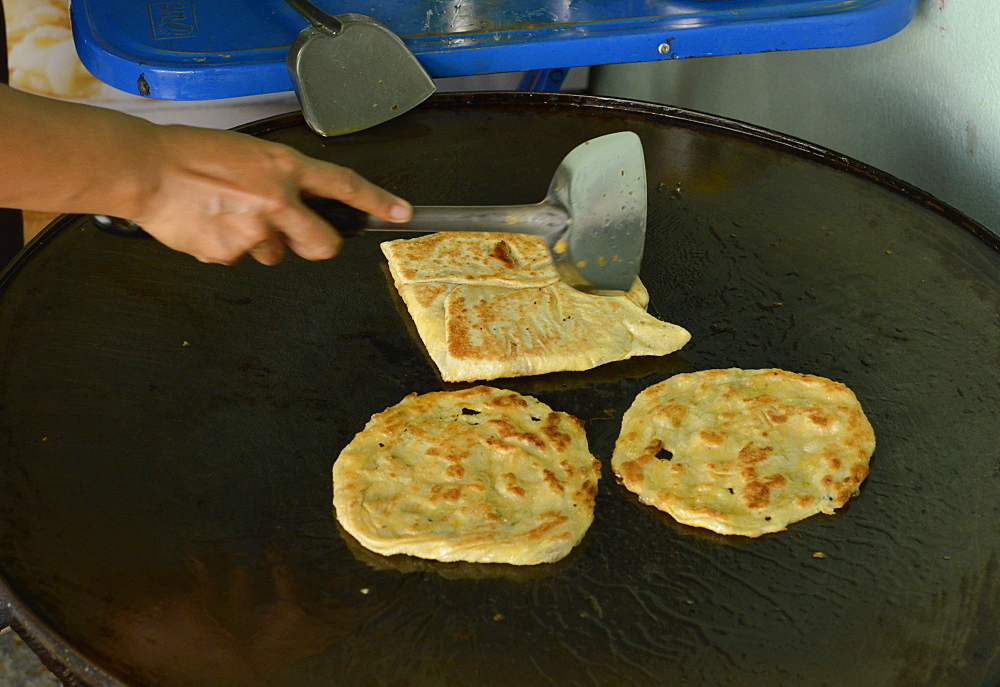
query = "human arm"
x=214 y=194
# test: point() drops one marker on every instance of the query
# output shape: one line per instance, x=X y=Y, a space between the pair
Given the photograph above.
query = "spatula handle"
x=317 y=17
x=346 y=220
x=540 y=219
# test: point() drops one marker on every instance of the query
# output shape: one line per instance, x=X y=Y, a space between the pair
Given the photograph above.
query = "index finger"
x=340 y=183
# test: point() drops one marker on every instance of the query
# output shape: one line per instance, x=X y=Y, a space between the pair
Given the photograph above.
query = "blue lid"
x=200 y=50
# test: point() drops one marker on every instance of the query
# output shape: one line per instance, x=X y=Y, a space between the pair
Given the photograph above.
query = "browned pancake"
x=744 y=451
x=492 y=305
x=480 y=475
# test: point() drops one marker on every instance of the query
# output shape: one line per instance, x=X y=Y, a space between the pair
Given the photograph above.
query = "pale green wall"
x=923 y=105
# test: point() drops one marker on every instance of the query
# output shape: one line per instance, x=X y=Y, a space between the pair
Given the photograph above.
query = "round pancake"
x=482 y=475
x=744 y=452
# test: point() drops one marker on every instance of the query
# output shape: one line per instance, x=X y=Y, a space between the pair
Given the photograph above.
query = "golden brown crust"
x=478 y=475
x=490 y=305
x=472 y=258
x=744 y=451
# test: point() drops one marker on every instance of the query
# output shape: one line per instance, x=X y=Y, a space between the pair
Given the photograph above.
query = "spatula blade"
x=356 y=78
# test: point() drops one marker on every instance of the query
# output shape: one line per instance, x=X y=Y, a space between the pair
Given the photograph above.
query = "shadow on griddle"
x=706 y=535
x=657 y=367
x=460 y=570
x=405 y=318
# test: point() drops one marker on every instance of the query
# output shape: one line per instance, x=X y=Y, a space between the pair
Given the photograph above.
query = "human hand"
x=219 y=195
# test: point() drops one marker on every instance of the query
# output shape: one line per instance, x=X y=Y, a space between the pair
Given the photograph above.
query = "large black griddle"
x=167 y=430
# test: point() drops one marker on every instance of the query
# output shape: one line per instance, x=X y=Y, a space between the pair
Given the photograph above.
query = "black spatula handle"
x=317 y=17
x=346 y=220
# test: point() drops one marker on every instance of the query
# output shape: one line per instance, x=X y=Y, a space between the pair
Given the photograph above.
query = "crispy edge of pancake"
x=479 y=475
x=744 y=452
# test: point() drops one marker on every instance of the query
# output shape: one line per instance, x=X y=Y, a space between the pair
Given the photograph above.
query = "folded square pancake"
x=744 y=452
x=482 y=475
x=489 y=305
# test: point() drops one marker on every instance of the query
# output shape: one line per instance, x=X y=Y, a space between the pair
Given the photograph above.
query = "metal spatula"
x=593 y=217
x=350 y=72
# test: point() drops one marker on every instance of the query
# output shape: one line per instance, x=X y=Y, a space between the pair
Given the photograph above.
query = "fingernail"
x=400 y=212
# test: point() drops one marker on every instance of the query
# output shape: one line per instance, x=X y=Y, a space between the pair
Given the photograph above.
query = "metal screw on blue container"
x=663 y=48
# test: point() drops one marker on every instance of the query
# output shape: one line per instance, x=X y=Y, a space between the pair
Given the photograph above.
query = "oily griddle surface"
x=167 y=430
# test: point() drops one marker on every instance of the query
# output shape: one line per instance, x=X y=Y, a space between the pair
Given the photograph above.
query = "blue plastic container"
x=200 y=49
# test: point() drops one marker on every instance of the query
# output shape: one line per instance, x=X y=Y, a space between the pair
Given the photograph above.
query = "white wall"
x=923 y=105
